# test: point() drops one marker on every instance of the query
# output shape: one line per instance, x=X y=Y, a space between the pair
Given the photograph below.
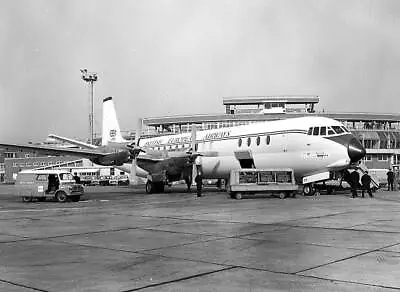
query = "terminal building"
x=378 y=133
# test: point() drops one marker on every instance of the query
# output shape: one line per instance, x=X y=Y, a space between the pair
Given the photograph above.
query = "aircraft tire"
x=61 y=197
x=149 y=187
x=308 y=190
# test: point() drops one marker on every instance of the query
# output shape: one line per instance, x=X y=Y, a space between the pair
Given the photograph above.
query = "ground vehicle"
x=279 y=181
x=42 y=184
x=113 y=181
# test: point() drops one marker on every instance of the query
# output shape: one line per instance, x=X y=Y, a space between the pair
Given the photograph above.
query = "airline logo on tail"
x=111 y=129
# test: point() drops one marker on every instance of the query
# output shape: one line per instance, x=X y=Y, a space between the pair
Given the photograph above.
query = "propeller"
x=135 y=150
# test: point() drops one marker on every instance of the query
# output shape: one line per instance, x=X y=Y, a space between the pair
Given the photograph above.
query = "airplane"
x=312 y=146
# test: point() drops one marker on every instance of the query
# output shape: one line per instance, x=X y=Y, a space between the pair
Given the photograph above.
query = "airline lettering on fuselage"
x=188 y=139
x=217 y=135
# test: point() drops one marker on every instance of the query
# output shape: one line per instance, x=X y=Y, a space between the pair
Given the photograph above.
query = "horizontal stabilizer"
x=73 y=142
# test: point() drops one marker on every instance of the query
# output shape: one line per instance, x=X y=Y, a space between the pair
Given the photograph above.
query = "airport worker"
x=199 y=184
x=366 y=184
x=390 y=179
x=77 y=178
x=355 y=180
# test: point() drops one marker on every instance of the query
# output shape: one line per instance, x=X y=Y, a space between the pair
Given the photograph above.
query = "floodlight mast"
x=90 y=78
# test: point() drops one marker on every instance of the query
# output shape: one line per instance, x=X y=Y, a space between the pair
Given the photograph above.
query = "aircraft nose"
x=355 y=150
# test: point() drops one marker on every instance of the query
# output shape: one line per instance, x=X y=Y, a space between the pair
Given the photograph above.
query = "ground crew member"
x=390 y=179
x=355 y=180
x=366 y=184
x=77 y=178
x=199 y=184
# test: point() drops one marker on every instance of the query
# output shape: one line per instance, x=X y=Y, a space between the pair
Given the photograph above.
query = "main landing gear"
x=154 y=187
x=309 y=190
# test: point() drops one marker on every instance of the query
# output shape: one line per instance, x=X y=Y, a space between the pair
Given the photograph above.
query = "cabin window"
x=330 y=131
x=196 y=146
x=258 y=140
x=310 y=131
x=323 y=131
x=268 y=140
x=316 y=131
x=344 y=129
x=248 y=141
x=240 y=142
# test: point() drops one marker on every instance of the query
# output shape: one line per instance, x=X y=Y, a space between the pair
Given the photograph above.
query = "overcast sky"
x=182 y=56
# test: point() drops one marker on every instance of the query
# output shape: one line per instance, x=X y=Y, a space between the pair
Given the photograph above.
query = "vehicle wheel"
x=149 y=187
x=41 y=199
x=308 y=190
x=61 y=197
x=282 y=195
x=238 y=196
x=75 y=198
x=26 y=199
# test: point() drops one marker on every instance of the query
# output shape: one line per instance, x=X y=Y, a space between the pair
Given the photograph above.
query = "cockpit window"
x=323 y=131
x=344 y=129
x=338 y=129
x=330 y=131
x=316 y=131
x=310 y=131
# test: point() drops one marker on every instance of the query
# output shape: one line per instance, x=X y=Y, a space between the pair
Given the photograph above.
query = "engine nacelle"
x=118 y=158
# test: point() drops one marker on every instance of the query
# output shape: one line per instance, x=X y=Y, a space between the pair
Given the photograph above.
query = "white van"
x=42 y=184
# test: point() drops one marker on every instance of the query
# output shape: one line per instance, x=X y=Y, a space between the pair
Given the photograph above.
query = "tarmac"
x=121 y=239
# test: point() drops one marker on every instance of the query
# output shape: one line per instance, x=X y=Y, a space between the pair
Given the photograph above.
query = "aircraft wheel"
x=308 y=190
x=61 y=197
x=149 y=187
x=26 y=199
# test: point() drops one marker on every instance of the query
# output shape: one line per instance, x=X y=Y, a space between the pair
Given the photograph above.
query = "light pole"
x=90 y=78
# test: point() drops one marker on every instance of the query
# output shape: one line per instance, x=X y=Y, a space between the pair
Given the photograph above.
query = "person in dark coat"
x=366 y=184
x=199 y=184
x=77 y=178
x=390 y=179
x=355 y=180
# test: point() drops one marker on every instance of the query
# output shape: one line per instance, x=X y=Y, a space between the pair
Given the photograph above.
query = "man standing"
x=199 y=184
x=366 y=184
x=355 y=180
x=390 y=179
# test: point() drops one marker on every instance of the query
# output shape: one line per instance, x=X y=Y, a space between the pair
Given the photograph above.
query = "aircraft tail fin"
x=111 y=131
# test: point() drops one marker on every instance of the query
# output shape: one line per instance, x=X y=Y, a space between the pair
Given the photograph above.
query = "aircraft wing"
x=47 y=150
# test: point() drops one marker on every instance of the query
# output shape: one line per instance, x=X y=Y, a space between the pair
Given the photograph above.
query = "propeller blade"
x=135 y=149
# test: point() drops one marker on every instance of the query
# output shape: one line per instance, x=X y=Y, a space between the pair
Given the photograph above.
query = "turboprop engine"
x=118 y=158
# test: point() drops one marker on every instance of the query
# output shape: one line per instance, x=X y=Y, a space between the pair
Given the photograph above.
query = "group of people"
x=365 y=184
